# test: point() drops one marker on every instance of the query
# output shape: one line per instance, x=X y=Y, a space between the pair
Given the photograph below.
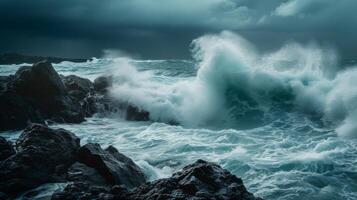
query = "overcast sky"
x=165 y=28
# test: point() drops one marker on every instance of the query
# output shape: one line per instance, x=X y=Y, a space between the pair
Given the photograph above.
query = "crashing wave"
x=238 y=86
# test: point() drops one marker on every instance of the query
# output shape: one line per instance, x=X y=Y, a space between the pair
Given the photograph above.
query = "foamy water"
x=284 y=121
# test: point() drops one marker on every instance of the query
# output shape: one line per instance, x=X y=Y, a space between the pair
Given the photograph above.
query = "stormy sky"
x=165 y=28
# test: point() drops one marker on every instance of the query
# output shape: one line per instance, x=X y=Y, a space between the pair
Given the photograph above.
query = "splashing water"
x=283 y=121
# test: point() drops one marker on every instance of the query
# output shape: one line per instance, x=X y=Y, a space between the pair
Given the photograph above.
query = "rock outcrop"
x=115 y=167
x=38 y=93
x=46 y=155
x=34 y=94
x=200 y=181
x=78 y=88
x=43 y=155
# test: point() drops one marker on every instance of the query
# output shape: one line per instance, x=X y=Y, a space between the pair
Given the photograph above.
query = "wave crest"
x=237 y=86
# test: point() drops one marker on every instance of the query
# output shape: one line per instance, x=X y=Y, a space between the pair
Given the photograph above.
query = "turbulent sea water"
x=284 y=121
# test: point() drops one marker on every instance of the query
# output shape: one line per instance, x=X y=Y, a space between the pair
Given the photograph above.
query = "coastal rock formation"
x=115 y=167
x=82 y=190
x=77 y=87
x=43 y=154
x=38 y=93
x=34 y=94
x=47 y=155
x=201 y=180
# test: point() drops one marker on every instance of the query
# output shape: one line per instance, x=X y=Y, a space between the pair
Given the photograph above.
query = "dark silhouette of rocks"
x=43 y=154
x=38 y=93
x=15 y=58
x=115 y=167
x=200 y=181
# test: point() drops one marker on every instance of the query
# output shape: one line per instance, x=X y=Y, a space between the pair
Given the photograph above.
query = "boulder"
x=102 y=83
x=112 y=165
x=40 y=80
x=77 y=87
x=6 y=149
x=43 y=155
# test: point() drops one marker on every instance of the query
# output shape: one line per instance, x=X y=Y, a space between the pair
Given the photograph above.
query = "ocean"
x=283 y=121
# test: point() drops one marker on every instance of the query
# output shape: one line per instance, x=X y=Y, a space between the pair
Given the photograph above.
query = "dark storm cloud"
x=165 y=28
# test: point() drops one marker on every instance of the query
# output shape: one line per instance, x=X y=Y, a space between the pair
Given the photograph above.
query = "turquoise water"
x=280 y=129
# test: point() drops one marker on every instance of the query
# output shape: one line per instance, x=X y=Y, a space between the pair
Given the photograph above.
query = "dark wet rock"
x=105 y=103
x=77 y=87
x=6 y=149
x=90 y=105
x=102 y=83
x=199 y=181
x=35 y=94
x=112 y=165
x=39 y=80
x=38 y=93
x=133 y=113
x=43 y=155
x=79 y=172
x=80 y=190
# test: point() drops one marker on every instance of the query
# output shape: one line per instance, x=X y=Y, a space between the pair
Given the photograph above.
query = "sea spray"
x=236 y=86
x=293 y=156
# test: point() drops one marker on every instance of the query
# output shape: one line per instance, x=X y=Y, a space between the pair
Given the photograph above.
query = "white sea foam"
x=236 y=84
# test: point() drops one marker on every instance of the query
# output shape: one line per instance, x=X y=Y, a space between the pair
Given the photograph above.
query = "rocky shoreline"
x=37 y=95
x=44 y=155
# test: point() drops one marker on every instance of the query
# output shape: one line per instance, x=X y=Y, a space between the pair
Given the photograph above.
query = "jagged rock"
x=34 y=94
x=102 y=83
x=135 y=114
x=43 y=154
x=112 y=165
x=6 y=149
x=77 y=87
x=79 y=172
x=81 y=191
x=39 y=80
x=90 y=105
x=199 y=181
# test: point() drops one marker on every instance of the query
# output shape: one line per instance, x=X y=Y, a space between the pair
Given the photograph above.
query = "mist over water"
x=284 y=121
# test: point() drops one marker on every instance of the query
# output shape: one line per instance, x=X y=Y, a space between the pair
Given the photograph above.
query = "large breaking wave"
x=238 y=86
